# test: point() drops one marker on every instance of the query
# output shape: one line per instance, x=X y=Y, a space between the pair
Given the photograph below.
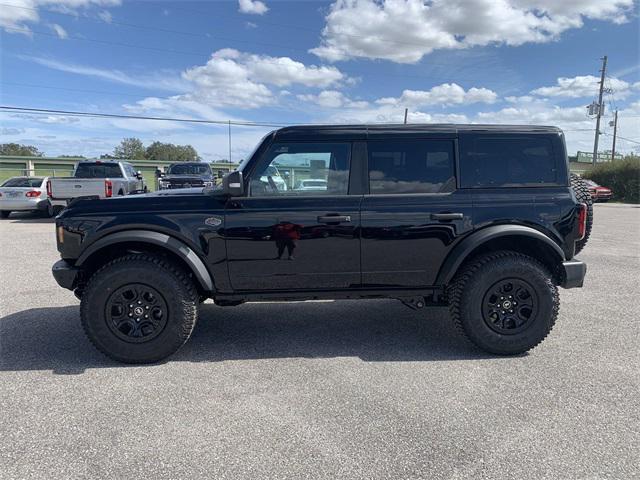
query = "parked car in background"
x=186 y=175
x=598 y=192
x=272 y=177
x=312 y=184
x=95 y=178
x=25 y=194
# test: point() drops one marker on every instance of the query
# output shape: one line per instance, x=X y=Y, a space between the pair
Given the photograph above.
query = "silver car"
x=22 y=194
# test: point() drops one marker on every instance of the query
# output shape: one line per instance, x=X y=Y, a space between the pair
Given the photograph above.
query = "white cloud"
x=233 y=78
x=61 y=32
x=16 y=15
x=404 y=31
x=253 y=7
x=161 y=80
x=444 y=94
x=583 y=86
x=105 y=16
x=332 y=99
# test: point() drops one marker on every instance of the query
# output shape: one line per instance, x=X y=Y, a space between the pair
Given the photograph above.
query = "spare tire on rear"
x=581 y=191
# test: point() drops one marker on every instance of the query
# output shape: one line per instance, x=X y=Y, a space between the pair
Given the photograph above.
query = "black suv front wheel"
x=139 y=308
x=504 y=302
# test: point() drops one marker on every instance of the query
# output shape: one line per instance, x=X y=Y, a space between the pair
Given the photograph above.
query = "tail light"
x=49 y=194
x=33 y=194
x=582 y=221
x=108 y=188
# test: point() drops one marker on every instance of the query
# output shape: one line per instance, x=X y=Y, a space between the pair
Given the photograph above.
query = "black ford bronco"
x=484 y=219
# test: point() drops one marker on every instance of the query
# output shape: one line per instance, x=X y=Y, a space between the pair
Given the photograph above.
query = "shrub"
x=621 y=176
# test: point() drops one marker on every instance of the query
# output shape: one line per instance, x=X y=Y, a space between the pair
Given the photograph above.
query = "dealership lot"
x=347 y=389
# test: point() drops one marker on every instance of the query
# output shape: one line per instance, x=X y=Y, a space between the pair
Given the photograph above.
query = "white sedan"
x=22 y=194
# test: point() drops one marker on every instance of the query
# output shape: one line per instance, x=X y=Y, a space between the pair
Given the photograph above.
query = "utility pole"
x=615 y=131
x=599 y=111
x=406 y=111
x=229 y=141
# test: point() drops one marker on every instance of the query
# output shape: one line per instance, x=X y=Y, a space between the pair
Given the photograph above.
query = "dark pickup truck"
x=483 y=218
x=186 y=175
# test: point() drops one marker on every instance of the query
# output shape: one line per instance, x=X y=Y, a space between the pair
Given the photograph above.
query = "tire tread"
x=189 y=304
x=456 y=290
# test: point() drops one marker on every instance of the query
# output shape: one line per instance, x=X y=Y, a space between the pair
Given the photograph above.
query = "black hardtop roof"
x=365 y=129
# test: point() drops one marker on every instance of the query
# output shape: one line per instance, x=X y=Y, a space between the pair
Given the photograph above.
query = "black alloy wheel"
x=509 y=305
x=136 y=313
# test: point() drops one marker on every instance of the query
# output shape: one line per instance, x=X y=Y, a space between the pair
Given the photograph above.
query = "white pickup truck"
x=95 y=178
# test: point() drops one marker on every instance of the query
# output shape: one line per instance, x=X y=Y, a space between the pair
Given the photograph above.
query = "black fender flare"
x=461 y=251
x=182 y=250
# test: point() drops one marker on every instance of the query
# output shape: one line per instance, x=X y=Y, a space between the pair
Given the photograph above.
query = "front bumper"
x=65 y=274
x=573 y=273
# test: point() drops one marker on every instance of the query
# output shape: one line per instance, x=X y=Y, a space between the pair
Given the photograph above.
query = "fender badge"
x=212 y=221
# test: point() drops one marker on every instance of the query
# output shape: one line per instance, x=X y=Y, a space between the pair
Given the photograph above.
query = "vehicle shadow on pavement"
x=374 y=331
x=28 y=217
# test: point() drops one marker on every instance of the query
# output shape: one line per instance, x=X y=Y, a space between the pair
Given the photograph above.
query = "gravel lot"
x=347 y=389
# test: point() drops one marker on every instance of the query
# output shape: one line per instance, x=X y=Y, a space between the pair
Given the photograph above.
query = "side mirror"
x=139 y=175
x=159 y=173
x=233 y=184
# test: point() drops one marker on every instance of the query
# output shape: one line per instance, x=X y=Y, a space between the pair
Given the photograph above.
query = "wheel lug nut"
x=130 y=306
x=146 y=316
x=137 y=319
x=139 y=302
x=147 y=307
x=131 y=314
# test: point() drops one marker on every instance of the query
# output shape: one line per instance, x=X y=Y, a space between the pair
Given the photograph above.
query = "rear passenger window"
x=411 y=166
x=507 y=160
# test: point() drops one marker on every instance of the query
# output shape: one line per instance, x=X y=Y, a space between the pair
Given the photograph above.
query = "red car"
x=598 y=193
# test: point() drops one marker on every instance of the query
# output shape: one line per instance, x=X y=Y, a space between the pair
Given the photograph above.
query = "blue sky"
x=490 y=61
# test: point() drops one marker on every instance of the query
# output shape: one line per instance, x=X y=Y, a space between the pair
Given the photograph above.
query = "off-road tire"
x=470 y=288
x=4 y=213
x=170 y=281
x=582 y=194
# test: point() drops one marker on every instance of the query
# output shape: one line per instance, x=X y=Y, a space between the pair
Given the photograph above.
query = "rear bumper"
x=574 y=272
x=65 y=274
x=23 y=205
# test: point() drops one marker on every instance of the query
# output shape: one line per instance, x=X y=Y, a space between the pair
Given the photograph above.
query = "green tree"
x=71 y=156
x=16 y=149
x=172 y=153
x=129 y=148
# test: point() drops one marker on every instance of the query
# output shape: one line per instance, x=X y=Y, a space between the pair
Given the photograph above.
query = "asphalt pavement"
x=345 y=389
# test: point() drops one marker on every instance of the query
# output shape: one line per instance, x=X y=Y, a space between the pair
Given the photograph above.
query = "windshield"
x=190 y=169
x=98 y=170
x=23 y=182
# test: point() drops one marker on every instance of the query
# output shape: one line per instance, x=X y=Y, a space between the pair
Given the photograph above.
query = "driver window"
x=302 y=169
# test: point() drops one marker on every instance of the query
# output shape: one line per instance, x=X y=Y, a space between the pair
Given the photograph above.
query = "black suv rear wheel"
x=504 y=302
x=139 y=308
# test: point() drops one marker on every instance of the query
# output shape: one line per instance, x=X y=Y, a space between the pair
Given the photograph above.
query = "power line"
x=200 y=12
x=51 y=87
x=623 y=138
x=198 y=54
x=72 y=113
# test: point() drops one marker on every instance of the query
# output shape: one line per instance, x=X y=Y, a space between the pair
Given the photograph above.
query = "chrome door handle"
x=334 y=219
